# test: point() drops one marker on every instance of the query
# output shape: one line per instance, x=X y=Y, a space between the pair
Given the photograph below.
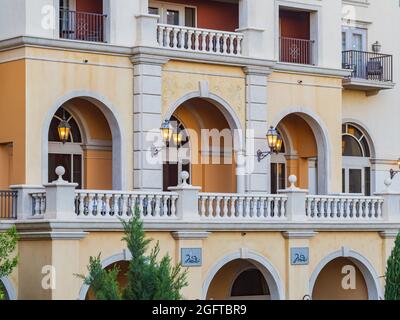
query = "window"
x=354 y=39
x=356 y=172
x=174 y=14
x=68 y=155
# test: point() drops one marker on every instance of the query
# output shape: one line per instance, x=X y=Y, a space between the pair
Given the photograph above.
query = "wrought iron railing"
x=293 y=50
x=8 y=204
x=82 y=26
x=368 y=65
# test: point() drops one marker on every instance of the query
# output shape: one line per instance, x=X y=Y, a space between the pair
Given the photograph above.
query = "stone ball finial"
x=388 y=182
x=185 y=176
x=60 y=171
x=292 y=179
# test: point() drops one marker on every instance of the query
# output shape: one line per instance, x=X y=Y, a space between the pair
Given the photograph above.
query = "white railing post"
x=147 y=30
x=60 y=198
x=187 y=207
x=24 y=200
x=296 y=201
x=391 y=203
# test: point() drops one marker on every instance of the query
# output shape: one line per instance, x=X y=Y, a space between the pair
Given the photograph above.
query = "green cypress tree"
x=392 y=289
x=148 y=278
x=8 y=244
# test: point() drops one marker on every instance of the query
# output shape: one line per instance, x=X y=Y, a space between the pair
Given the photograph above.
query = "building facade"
x=221 y=73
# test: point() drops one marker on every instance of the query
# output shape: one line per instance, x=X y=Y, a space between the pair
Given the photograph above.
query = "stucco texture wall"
x=320 y=97
x=53 y=74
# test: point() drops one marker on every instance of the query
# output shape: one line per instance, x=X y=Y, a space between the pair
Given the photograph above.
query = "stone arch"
x=221 y=104
x=366 y=131
x=320 y=132
x=363 y=264
x=114 y=122
x=125 y=255
x=269 y=272
x=9 y=288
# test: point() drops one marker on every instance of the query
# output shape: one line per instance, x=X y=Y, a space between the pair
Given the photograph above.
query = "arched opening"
x=7 y=288
x=340 y=279
x=92 y=147
x=356 y=151
x=230 y=277
x=299 y=157
x=123 y=267
x=207 y=151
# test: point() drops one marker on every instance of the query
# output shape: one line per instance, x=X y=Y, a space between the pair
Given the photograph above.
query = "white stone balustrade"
x=199 y=40
x=242 y=206
x=38 y=204
x=112 y=204
x=344 y=208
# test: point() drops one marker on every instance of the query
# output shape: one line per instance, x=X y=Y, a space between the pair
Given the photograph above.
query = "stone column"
x=147 y=121
x=256 y=128
x=391 y=203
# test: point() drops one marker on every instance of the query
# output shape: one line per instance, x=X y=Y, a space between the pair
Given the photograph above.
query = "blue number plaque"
x=191 y=257
x=299 y=256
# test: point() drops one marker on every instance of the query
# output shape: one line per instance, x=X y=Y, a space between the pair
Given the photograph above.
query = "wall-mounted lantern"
x=64 y=129
x=376 y=47
x=275 y=142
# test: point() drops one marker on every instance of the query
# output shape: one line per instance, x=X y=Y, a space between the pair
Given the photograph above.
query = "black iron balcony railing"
x=295 y=50
x=82 y=26
x=8 y=204
x=368 y=65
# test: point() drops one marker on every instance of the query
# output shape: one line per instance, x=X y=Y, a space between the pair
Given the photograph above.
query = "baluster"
x=115 y=203
x=346 y=213
x=203 y=200
x=218 y=44
x=124 y=205
x=90 y=204
x=246 y=206
x=204 y=41
x=218 y=206
x=210 y=207
x=35 y=204
x=98 y=198
x=196 y=40
x=149 y=206
x=81 y=211
x=174 y=198
x=239 y=45
x=283 y=207
x=329 y=208
x=107 y=204
x=276 y=206
x=262 y=207
x=157 y=208
x=334 y=208
x=379 y=208
x=159 y=34
x=225 y=207
x=268 y=213
x=233 y=203
x=308 y=207
x=174 y=37
x=240 y=209
x=224 y=43
x=230 y=44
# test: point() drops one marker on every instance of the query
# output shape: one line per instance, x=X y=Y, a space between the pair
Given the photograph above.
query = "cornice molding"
x=190 y=235
x=299 y=234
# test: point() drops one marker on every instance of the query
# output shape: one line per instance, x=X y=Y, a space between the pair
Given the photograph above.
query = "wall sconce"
x=394 y=172
x=274 y=142
x=376 y=47
x=168 y=135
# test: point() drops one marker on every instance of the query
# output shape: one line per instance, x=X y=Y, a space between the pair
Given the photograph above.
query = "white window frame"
x=163 y=7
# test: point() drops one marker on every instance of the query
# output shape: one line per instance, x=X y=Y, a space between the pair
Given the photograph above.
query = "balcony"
x=300 y=51
x=199 y=40
x=83 y=26
x=370 y=71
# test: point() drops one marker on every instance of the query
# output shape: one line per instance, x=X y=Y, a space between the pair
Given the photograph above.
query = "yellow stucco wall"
x=71 y=257
x=52 y=74
x=12 y=113
x=318 y=96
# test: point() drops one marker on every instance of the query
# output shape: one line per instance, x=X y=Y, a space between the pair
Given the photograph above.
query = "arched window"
x=250 y=284
x=68 y=155
x=356 y=171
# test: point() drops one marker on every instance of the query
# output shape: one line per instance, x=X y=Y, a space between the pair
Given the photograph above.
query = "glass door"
x=72 y=164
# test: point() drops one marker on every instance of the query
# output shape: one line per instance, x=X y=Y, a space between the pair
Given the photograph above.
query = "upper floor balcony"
x=84 y=21
x=370 y=71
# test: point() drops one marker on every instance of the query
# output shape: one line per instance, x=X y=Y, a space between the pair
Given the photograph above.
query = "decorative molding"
x=190 y=235
x=389 y=234
x=299 y=234
x=52 y=235
x=312 y=70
